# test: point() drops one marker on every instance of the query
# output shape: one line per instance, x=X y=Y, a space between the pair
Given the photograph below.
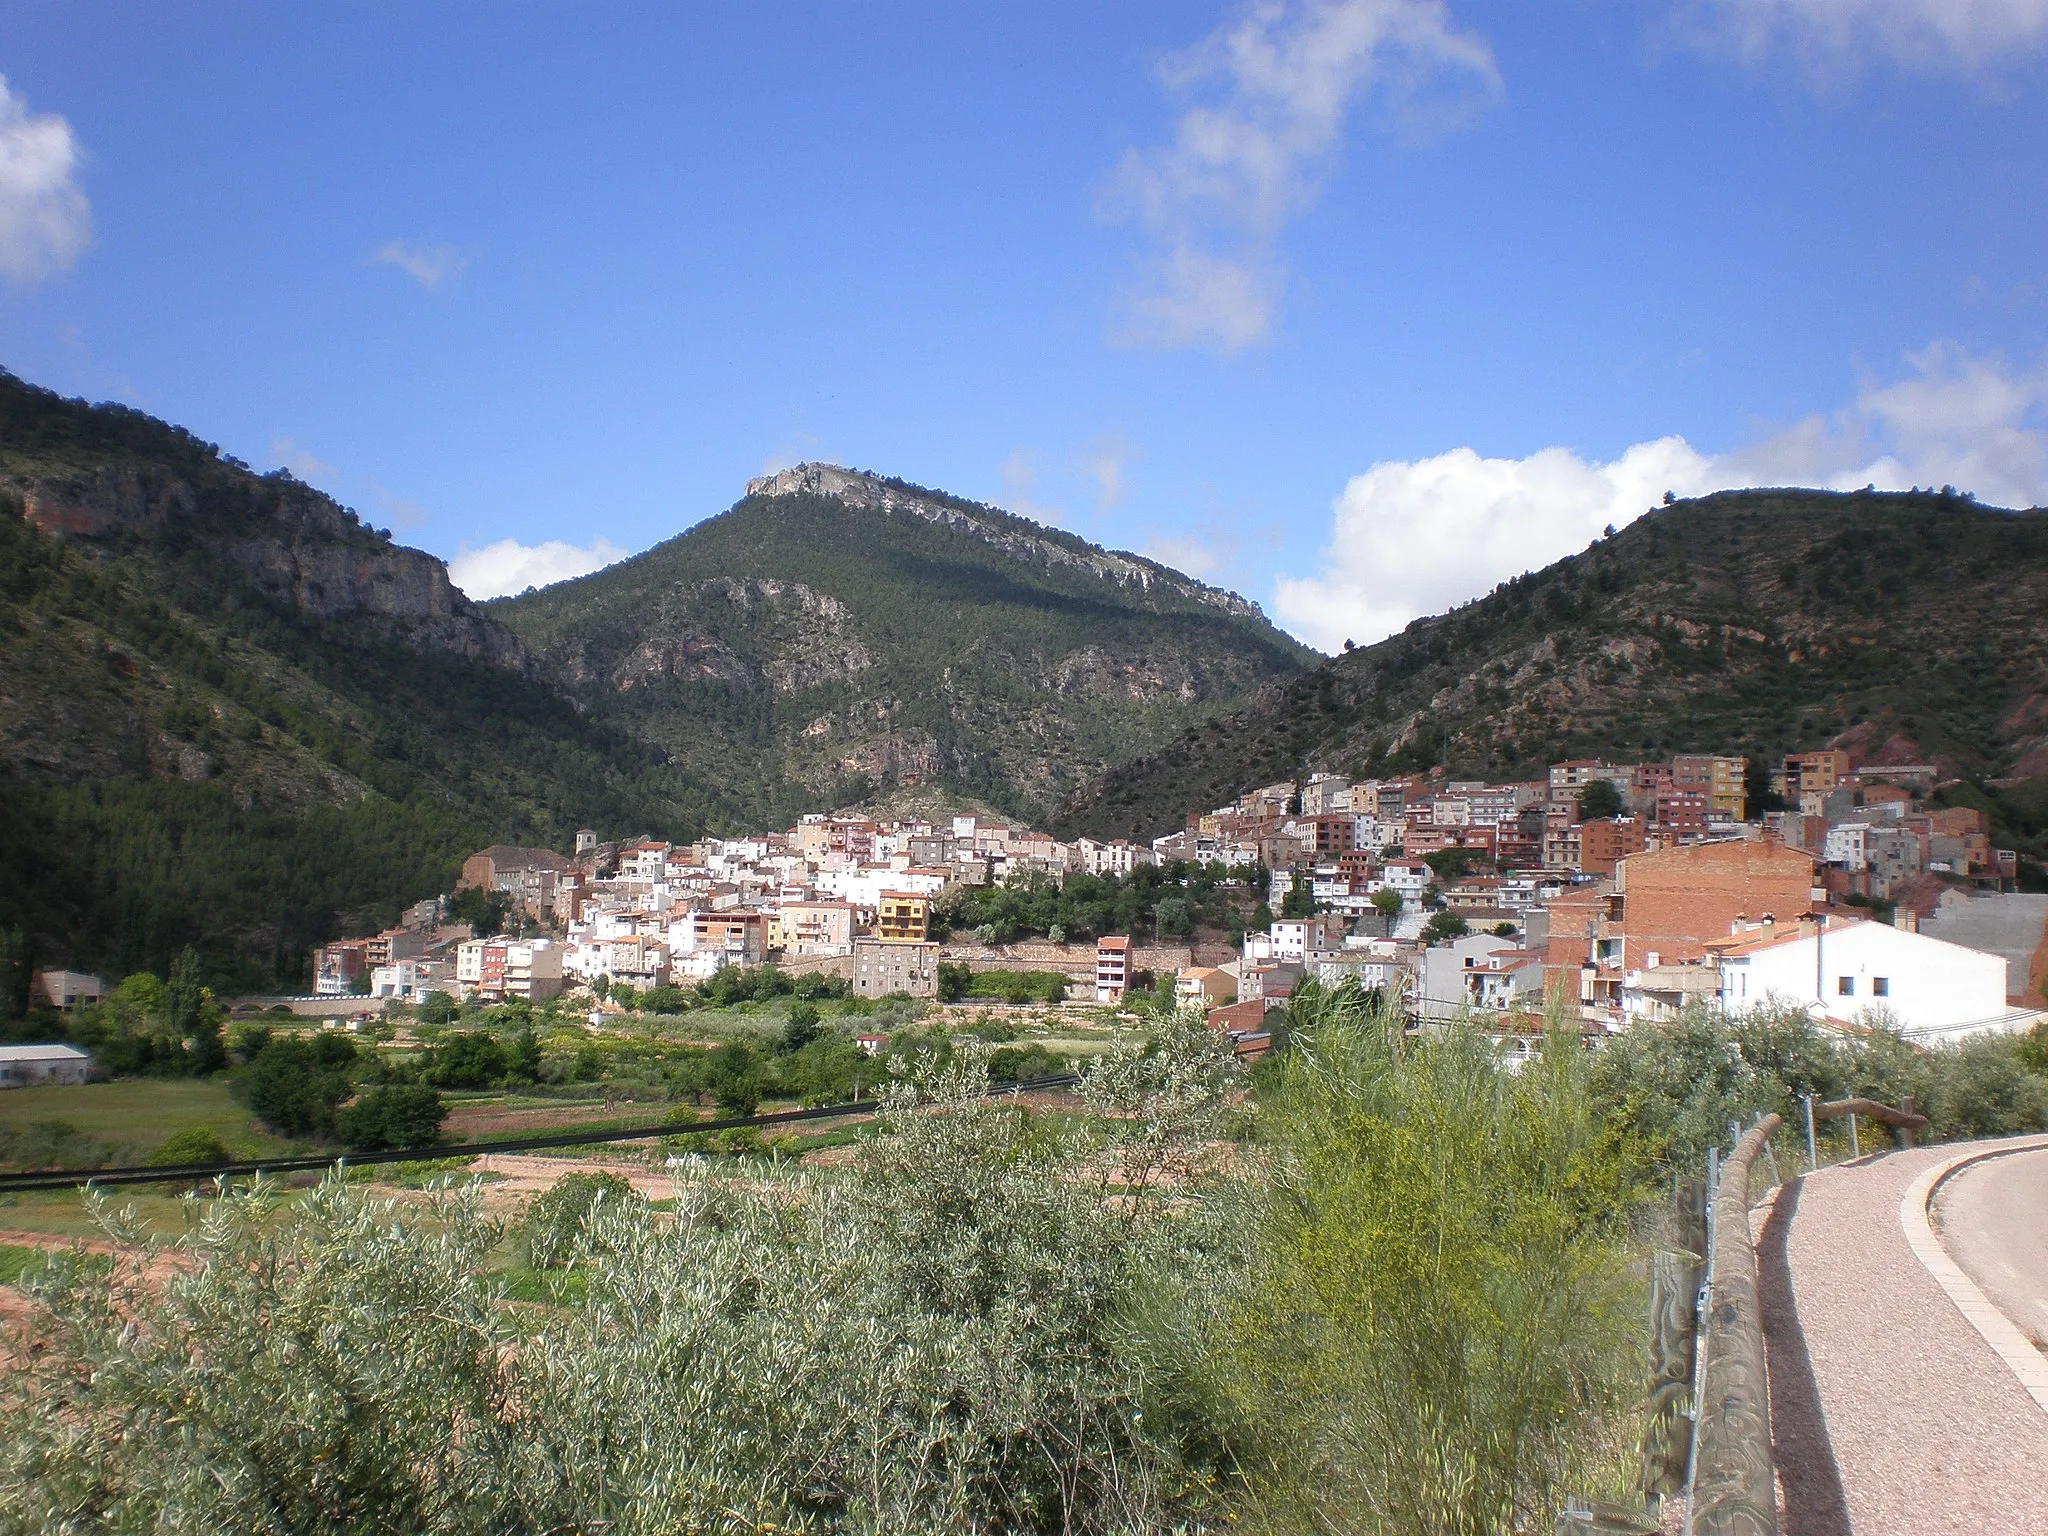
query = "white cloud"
x=1270 y=90
x=1019 y=473
x=300 y=461
x=428 y=265
x=1106 y=461
x=1417 y=537
x=508 y=566
x=1918 y=34
x=404 y=513
x=44 y=219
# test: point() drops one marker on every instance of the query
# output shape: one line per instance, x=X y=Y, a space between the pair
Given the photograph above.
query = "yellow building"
x=901 y=918
x=1720 y=779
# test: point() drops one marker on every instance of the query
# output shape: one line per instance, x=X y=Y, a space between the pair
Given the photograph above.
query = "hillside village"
x=1627 y=890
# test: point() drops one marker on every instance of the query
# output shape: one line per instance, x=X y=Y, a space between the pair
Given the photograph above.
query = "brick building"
x=1666 y=907
x=1604 y=844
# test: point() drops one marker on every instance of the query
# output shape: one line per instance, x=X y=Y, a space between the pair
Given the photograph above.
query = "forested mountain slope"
x=836 y=632
x=232 y=715
x=1758 y=622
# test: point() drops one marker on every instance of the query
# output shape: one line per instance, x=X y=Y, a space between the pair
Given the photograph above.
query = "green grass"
x=62 y=1212
x=547 y=1288
x=140 y=1113
x=16 y=1261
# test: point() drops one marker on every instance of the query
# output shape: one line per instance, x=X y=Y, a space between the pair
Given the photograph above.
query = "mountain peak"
x=1017 y=536
x=855 y=486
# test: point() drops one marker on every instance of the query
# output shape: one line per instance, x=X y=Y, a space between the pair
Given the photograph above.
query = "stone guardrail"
x=1734 y=1486
x=1902 y=1120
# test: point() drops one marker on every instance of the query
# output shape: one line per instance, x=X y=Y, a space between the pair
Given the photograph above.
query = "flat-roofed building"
x=882 y=967
x=67 y=989
x=816 y=927
x=1723 y=780
x=339 y=966
x=1112 y=967
x=495 y=969
x=902 y=917
x=24 y=1066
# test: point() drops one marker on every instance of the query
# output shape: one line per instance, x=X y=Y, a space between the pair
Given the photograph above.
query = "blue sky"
x=1356 y=307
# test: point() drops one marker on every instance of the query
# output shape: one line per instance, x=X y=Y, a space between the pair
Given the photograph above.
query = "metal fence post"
x=1812 y=1157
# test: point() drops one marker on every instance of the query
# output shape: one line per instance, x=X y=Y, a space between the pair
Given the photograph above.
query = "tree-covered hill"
x=1758 y=622
x=835 y=633
x=231 y=715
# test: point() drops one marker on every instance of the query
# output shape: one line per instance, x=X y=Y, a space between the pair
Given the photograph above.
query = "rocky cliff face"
x=1013 y=535
x=835 y=632
x=298 y=547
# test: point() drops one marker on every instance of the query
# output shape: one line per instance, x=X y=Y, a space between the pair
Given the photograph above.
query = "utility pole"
x=1820 y=923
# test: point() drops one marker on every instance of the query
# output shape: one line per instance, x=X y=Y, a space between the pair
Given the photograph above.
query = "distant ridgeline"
x=836 y=632
x=234 y=716
x=1758 y=622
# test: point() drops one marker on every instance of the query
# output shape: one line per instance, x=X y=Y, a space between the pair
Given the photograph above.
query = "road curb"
x=1997 y=1330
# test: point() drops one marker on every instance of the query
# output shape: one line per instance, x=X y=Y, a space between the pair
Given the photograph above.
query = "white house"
x=1482 y=971
x=1116 y=857
x=1382 y=967
x=1854 y=972
x=1411 y=877
x=406 y=980
x=1291 y=938
x=22 y=1065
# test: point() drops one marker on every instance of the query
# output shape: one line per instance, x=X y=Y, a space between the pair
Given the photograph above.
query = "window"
x=1845 y=986
x=1880 y=986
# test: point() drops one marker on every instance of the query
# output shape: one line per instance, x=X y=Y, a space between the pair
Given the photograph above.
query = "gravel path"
x=1890 y=1414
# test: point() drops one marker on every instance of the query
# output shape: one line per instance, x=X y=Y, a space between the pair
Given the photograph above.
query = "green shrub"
x=394 y=1116
x=467 y=1059
x=1437 y=1331
x=295 y=1082
x=1442 y=927
x=557 y=1220
x=195 y=1146
x=1681 y=1083
x=800 y=1028
x=1016 y=1063
x=1979 y=1088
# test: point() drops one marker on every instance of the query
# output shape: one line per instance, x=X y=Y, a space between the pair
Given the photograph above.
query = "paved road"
x=1993 y=1220
x=1889 y=1412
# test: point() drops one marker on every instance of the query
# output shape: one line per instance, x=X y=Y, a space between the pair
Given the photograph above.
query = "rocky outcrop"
x=104 y=503
x=299 y=548
x=1013 y=535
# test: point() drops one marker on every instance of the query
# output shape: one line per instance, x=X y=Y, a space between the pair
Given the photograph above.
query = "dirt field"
x=488 y=1119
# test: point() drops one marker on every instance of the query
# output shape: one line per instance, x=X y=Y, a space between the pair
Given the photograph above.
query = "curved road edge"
x=2000 y=1332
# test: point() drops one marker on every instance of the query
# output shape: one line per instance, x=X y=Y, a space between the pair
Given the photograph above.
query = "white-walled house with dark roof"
x=1863 y=972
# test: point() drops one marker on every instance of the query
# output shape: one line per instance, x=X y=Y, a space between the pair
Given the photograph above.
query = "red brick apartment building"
x=1666 y=906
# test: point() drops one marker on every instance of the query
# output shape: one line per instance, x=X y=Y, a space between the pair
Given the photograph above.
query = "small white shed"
x=22 y=1066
